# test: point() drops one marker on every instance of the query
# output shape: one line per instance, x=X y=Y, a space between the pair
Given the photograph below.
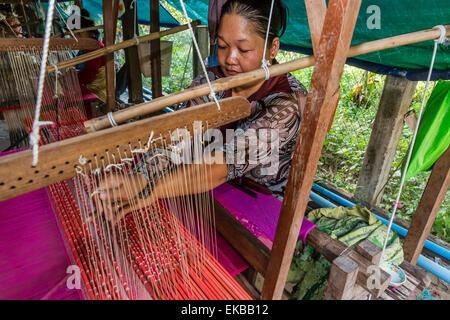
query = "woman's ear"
x=274 y=48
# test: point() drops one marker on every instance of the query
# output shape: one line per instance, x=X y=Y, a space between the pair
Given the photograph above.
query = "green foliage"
x=345 y=145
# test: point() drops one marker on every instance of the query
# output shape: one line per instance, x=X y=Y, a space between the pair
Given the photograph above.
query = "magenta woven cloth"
x=259 y=215
x=33 y=259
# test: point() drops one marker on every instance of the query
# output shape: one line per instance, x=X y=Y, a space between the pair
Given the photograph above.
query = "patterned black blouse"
x=278 y=104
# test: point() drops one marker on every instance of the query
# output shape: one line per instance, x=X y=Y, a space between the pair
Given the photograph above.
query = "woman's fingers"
x=113 y=186
x=117 y=195
x=137 y=205
x=121 y=186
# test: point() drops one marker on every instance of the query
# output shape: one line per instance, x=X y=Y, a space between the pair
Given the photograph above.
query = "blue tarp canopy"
x=165 y=18
x=395 y=18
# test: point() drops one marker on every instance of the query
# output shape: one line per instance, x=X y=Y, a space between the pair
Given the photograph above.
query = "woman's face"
x=240 y=48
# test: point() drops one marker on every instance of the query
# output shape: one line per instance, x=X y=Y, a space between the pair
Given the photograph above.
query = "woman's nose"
x=232 y=57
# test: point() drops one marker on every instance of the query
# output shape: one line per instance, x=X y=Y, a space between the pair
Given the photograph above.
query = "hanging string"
x=265 y=64
x=212 y=93
x=57 y=72
x=397 y=204
x=133 y=5
x=34 y=136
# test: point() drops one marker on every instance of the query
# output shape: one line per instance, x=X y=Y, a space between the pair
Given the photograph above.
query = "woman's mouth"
x=231 y=72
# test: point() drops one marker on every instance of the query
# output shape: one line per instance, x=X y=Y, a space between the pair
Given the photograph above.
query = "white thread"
x=265 y=63
x=34 y=136
x=137 y=39
x=97 y=191
x=113 y=165
x=111 y=119
x=411 y=147
x=212 y=94
x=96 y=171
x=146 y=147
x=82 y=160
x=57 y=72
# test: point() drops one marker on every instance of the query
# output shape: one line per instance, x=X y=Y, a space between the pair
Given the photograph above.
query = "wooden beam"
x=423 y=219
x=201 y=33
x=7 y=44
x=109 y=35
x=370 y=251
x=135 y=93
x=155 y=54
x=332 y=248
x=315 y=10
x=332 y=52
x=386 y=133
x=342 y=279
x=17 y=176
x=115 y=10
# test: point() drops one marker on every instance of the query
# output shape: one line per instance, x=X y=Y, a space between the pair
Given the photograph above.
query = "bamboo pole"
x=255 y=75
x=125 y=44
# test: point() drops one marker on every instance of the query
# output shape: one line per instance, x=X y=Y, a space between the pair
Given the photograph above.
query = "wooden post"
x=155 y=55
x=369 y=251
x=201 y=33
x=316 y=10
x=386 y=133
x=135 y=93
x=332 y=52
x=109 y=35
x=423 y=219
x=342 y=279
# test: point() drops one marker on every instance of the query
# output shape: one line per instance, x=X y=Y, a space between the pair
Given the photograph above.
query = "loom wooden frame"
x=18 y=176
x=8 y=44
x=257 y=253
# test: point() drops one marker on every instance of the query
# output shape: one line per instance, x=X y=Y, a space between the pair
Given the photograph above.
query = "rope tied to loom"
x=57 y=72
x=34 y=135
x=133 y=5
x=265 y=64
x=441 y=40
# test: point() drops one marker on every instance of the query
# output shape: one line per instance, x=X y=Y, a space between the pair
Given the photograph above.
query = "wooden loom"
x=321 y=103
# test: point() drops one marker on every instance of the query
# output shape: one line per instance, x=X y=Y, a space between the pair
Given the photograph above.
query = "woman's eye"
x=244 y=51
x=221 y=47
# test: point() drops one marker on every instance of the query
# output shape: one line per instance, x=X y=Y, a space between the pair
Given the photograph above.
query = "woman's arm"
x=117 y=192
x=190 y=179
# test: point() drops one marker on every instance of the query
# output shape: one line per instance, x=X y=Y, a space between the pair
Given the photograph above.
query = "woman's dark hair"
x=87 y=22
x=257 y=12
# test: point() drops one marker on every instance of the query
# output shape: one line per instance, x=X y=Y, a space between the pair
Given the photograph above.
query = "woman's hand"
x=119 y=194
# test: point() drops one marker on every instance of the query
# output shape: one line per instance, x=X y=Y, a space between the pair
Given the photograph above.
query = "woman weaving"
x=276 y=103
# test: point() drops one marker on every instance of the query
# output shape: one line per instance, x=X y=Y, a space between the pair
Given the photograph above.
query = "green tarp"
x=395 y=18
x=433 y=136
